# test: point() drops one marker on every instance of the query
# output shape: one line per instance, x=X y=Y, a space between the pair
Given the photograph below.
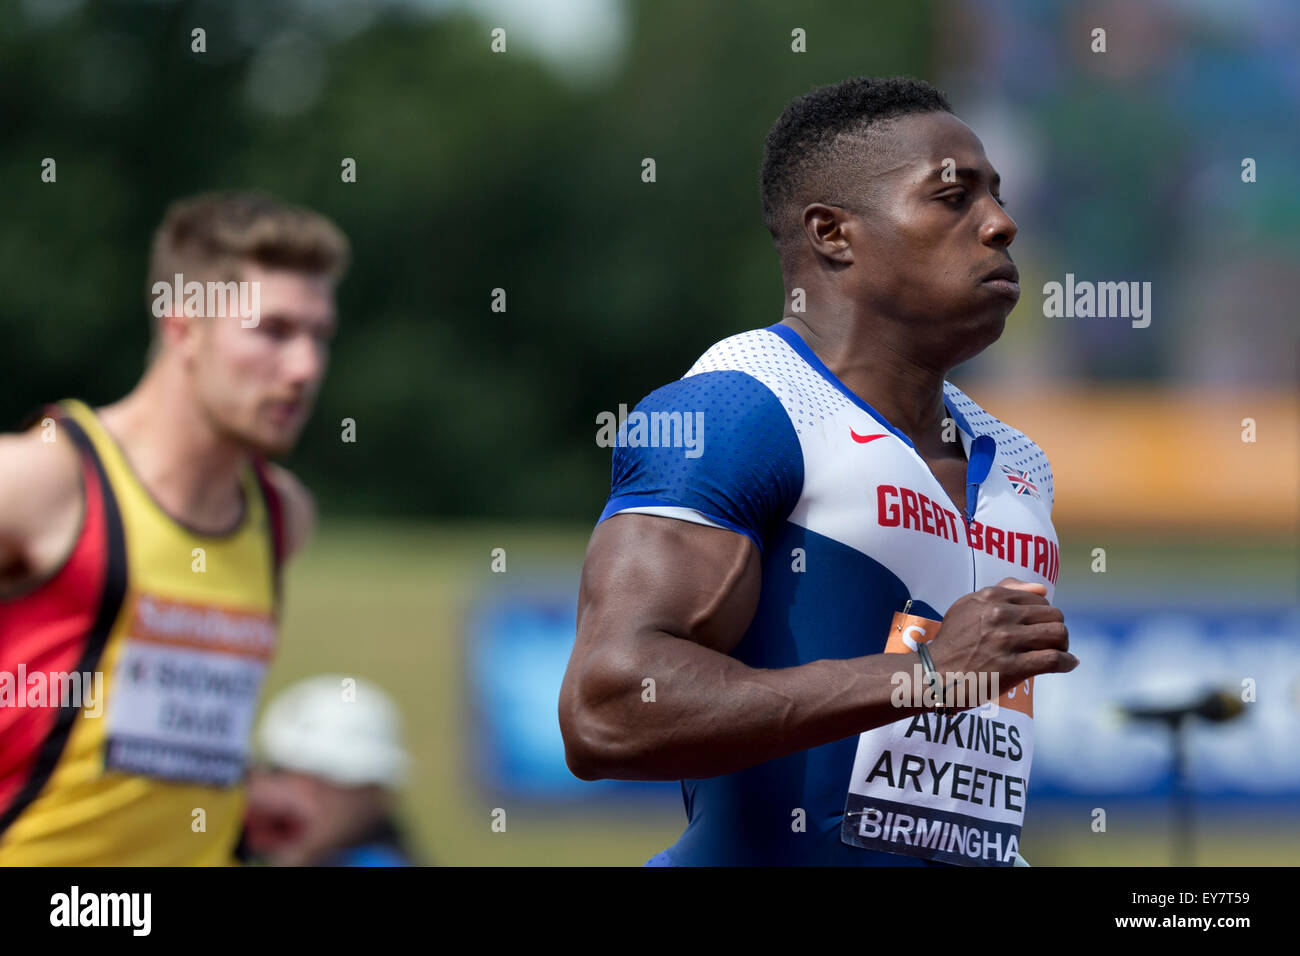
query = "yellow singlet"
x=156 y=779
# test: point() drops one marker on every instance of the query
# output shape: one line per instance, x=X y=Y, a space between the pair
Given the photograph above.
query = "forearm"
x=707 y=714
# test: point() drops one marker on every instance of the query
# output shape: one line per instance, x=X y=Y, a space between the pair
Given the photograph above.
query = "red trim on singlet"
x=51 y=629
x=274 y=507
x=275 y=516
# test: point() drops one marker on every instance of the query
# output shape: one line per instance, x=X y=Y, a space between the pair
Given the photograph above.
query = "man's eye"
x=956 y=199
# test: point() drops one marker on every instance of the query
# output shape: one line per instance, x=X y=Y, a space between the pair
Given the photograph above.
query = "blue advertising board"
x=1150 y=655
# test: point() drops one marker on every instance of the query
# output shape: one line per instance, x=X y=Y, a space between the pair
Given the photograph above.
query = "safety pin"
x=906 y=607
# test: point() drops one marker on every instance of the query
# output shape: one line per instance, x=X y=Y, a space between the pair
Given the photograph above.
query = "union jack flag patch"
x=1020 y=482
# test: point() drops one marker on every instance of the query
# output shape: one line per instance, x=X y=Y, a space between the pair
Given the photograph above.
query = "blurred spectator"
x=324 y=794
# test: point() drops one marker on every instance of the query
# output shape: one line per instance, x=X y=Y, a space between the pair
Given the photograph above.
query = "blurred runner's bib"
x=947 y=788
x=187 y=690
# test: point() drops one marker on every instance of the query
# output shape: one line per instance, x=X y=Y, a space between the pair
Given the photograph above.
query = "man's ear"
x=175 y=329
x=829 y=231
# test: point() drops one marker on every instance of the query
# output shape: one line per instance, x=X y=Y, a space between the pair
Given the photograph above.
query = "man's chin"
x=269 y=445
x=979 y=333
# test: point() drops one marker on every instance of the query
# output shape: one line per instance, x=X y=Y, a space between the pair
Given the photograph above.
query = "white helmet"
x=344 y=729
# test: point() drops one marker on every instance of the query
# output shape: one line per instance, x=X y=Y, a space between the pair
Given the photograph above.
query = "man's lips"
x=1005 y=279
x=1006 y=271
x=285 y=411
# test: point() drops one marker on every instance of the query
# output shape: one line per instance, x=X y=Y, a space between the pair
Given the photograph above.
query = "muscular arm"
x=667 y=600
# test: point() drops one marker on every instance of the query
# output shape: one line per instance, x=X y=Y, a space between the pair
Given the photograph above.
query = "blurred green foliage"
x=479 y=171
x=475 y=171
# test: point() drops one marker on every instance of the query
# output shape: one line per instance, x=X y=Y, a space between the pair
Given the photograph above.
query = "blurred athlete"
x=791 y=522
x=325 y=789
x=141 y=544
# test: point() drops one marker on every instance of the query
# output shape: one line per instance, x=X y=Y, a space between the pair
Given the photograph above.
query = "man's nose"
x=999 y=229
x=305 y=361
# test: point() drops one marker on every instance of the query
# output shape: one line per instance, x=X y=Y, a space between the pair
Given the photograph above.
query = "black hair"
x=803 y=150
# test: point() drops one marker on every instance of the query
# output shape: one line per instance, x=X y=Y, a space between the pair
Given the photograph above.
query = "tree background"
x=521 y=171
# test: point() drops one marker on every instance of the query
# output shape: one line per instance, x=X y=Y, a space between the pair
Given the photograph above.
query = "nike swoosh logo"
x=863 y=439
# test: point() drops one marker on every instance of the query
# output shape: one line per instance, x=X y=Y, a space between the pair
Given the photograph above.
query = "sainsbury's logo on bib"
x=245 y=633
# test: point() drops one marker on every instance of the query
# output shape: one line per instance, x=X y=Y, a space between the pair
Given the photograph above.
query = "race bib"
x=948 y=788
x=186 y=690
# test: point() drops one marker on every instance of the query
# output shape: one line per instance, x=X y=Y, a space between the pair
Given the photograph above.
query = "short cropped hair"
x=207 y=237
x=807 y=156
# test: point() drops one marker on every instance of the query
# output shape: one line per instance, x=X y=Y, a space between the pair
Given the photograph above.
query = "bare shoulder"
x=39 y=474
x=299 y=508
x=40 y=503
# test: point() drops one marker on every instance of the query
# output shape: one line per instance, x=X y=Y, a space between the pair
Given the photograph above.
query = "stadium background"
x=475 y=429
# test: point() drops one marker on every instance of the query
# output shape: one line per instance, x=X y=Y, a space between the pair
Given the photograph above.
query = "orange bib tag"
x=908 y=630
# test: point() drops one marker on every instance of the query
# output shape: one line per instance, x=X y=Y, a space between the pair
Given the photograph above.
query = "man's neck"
x=188 y=468
x=907 y=392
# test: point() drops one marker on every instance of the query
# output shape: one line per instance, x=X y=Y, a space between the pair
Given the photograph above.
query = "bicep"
x=649 y=579
x=647 y=575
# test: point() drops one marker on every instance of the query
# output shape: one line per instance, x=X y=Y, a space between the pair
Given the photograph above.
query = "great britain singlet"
x=860 y=546
x=130 y=676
